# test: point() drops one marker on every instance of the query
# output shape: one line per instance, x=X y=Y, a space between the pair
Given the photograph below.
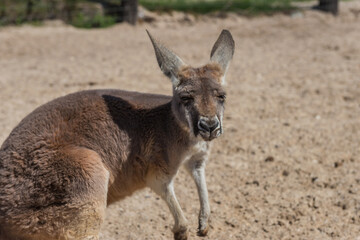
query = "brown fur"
x=83 y=145
x=209 y=71
x=205 y=80
x=70 y=158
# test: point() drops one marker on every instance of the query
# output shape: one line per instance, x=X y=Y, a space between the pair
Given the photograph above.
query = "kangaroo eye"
x=221 y=97
x=186 y=99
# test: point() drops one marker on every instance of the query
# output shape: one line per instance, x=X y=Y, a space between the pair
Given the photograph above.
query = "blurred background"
x=103 y=13
x=288 y=164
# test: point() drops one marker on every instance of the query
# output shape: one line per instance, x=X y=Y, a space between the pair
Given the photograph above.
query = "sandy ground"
x=288 y=164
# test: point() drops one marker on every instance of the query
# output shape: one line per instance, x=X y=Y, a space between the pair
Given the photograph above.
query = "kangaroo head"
x=198 y=94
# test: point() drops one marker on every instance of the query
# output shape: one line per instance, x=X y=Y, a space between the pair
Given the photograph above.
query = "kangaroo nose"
x=208 y=125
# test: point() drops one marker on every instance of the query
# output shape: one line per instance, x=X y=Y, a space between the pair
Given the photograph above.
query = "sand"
x=288 y=164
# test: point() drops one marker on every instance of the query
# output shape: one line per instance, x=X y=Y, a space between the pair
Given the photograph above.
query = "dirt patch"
x=288 y=164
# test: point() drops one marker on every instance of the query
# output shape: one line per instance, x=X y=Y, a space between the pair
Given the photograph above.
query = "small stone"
x=297 y=15
x=230 y=224
x=313 y=179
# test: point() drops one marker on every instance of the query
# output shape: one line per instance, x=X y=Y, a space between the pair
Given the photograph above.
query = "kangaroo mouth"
x=208 y=136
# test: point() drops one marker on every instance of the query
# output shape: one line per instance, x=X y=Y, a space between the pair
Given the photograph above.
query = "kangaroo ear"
x=168 y=62
x=223 y=50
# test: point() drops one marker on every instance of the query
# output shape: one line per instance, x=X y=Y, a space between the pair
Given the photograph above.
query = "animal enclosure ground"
x=288 y=164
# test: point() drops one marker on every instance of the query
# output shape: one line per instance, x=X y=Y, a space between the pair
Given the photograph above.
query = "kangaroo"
x=69 y=159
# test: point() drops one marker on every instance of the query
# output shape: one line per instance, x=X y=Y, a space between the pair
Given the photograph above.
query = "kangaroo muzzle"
x=209 y=128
